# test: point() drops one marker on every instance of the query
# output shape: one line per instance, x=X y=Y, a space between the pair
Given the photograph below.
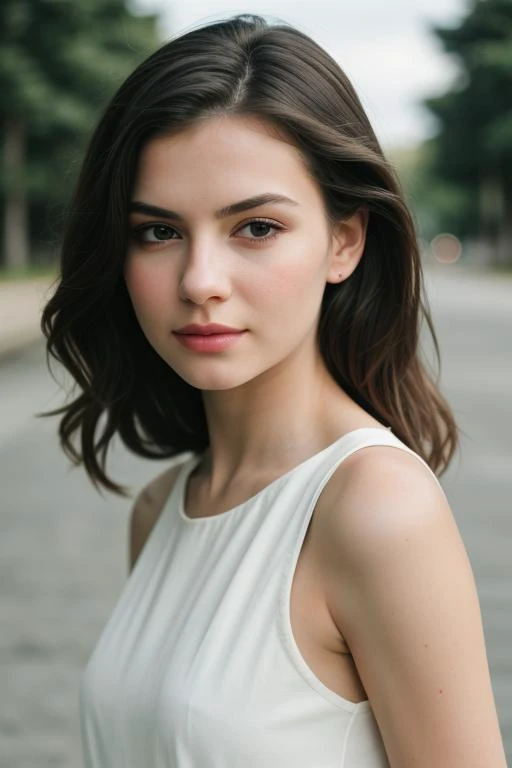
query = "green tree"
x=472 y=154
x=60 y=61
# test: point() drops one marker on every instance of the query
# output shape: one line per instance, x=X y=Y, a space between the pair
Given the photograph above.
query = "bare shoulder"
x=147 y=508
x=400 y=588
x=384 y=510
x=380 y=493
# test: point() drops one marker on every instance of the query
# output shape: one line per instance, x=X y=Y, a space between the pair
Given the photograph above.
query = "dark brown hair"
x=369 y=326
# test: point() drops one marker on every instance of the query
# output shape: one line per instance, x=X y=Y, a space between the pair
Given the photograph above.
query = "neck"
x=275 y=421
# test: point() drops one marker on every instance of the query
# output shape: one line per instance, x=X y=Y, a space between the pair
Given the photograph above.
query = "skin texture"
x=212 y=269
x=399 y=586
x=391 y=566
x=219 y=272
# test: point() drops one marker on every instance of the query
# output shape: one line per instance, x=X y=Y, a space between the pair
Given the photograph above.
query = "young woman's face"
x=227 y=229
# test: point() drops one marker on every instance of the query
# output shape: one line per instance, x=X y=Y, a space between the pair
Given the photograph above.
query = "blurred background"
x=435 y=77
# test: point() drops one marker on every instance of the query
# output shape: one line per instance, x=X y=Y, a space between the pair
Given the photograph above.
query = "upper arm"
x=401 y=590
x=146 y=510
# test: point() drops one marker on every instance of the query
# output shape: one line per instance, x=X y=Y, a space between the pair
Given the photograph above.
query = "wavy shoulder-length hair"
x=369 y=325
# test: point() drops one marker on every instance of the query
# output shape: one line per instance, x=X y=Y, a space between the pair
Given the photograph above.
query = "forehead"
x=238 y=154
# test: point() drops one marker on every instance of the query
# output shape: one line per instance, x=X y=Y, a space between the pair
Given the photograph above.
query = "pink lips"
x=211 y=337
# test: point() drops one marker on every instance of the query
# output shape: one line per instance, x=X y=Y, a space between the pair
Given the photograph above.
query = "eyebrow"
x=230 y=210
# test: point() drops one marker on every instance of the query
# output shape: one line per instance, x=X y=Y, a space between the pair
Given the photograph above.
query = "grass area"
x=28 y=273
x=503 y=269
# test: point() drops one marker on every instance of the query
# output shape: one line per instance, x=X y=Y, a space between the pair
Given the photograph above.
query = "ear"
x=347 y=245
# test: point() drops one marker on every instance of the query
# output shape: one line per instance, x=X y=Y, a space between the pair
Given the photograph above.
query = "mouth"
x=210 y=329
x=208 y=338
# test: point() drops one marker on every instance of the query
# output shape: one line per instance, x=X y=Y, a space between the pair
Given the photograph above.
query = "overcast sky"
x=386 y=48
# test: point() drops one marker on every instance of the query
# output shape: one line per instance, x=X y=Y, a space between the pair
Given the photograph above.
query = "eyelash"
x=138 y=232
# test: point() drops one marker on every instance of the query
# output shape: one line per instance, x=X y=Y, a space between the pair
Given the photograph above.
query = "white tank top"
x=197 y=666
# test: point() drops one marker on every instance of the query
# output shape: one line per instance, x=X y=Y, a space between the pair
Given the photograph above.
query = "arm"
x=146 y=510
x=402 y=593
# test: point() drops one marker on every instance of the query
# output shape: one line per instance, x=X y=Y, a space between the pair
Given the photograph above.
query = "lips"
x=209 y=338
x=209 y=329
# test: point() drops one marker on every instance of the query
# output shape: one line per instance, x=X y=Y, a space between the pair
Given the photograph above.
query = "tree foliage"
x=60 y=61
x=472 y=154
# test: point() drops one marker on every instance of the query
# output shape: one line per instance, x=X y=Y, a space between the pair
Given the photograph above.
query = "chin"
x=211 y=381
x=215 y=384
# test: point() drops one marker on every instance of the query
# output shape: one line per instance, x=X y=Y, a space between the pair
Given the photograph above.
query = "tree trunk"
x=504 y=254
x=490 y=210
x=504 y=250
x=16 y=249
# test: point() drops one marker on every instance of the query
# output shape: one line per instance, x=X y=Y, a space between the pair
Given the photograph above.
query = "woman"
x=241 y=280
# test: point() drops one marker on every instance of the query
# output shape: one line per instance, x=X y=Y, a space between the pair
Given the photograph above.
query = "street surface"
x=63 y=549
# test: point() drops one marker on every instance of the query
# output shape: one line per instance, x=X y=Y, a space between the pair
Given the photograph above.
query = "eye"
x=259 y=229
x=155 y=233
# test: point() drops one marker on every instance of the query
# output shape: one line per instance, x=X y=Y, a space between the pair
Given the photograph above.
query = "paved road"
x=63 y=547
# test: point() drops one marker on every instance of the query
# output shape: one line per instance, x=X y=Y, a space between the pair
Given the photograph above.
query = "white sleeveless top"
x=197 y=666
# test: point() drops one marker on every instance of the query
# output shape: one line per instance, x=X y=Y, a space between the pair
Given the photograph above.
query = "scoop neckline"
x=187 y=471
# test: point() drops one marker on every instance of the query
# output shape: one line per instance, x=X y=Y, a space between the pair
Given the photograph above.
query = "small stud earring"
x=340 y=275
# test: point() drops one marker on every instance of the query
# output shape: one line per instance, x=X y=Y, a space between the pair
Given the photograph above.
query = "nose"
x=204 y=275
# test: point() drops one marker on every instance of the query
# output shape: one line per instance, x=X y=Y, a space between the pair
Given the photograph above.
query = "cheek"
x=287 y=298
x=298 y=279
x=146 y=286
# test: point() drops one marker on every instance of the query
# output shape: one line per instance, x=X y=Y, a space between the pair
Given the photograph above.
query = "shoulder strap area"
x=365 y=438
